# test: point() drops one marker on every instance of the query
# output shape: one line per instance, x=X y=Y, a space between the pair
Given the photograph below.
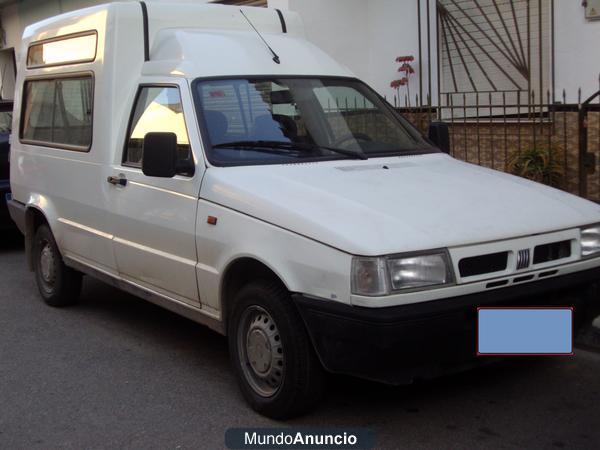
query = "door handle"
x=117 y=181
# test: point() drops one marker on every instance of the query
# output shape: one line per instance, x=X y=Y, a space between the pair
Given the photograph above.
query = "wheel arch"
x=237 y=274
x=34 y=217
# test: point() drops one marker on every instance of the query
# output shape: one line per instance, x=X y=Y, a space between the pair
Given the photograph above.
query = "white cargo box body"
x=185 y=42
x=313 y=224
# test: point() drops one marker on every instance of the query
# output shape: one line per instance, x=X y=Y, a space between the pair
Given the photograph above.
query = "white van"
x=211 y=160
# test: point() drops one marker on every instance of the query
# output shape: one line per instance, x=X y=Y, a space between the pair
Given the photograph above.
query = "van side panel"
x=76 y=216
x=70 y=187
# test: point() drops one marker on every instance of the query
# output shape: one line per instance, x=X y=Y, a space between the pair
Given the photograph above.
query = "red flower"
x=397 y=83
x=406 y=68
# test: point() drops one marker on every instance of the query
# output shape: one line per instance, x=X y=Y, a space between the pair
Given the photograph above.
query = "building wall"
x=577 y=51
x=367 y=36
x=343 y=37
x=393 y=32
x=7 y=74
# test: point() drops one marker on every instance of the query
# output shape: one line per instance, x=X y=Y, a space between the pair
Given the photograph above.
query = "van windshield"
x=285 y=120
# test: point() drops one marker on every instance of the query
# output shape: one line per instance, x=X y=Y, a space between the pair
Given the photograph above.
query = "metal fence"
x=544 y=139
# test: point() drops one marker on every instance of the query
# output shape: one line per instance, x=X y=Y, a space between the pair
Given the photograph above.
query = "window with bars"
x=491 y=50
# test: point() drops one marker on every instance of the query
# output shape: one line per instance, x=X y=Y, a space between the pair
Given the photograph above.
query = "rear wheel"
x=58 y=284
x=277 y=369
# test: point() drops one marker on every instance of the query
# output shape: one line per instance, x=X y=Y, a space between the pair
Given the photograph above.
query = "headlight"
x=380 y=276
x=419 y=271
x=590 y=240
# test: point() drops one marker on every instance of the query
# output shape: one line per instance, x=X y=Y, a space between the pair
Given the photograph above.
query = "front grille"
x=478 y=265
x=551 y=252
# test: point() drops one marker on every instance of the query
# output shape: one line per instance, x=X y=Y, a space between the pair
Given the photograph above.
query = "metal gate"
x=496 y=89
x=589 y=147
x=495 y=47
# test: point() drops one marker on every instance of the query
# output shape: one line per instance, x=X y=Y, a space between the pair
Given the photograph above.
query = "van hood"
x=396 y=204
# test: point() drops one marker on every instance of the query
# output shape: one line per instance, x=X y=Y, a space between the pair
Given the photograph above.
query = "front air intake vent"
x=551 y=252
x=479 y=265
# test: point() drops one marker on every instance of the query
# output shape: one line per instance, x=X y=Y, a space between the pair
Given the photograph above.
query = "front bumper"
x=399 y=344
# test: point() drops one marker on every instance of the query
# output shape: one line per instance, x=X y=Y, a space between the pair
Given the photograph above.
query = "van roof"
x=193 y=40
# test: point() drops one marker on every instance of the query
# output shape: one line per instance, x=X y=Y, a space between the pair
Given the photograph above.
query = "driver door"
x=154 y=218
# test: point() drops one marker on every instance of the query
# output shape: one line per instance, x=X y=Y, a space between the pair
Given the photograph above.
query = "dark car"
x=5 y=127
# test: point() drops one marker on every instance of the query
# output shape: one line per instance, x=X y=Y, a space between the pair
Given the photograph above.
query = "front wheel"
x=275 y=363
x=58 y=284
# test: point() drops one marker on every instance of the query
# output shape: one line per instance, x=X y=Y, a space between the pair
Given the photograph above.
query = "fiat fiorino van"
x=211 y=160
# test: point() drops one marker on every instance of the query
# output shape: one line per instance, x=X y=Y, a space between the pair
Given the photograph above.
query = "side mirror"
x=440 y=135
x=159 y=152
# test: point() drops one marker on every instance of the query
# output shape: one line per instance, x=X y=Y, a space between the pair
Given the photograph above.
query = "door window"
x=157 y=109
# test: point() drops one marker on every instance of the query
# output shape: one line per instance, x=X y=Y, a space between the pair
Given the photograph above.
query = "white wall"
x=393 y=32
x=577 y=51
x=367 y=36
x=338 y=27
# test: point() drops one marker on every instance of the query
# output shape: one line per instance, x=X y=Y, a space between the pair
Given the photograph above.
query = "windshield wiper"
x=280 y=145
x=279 y=148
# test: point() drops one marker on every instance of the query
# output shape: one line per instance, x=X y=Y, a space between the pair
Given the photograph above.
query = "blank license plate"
x=525 y=331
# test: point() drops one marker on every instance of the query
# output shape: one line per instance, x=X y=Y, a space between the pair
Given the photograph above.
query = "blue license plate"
x=525 y=331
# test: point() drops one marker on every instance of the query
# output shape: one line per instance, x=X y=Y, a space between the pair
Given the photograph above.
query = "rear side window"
x=157 y=109
x=58 y=112
x=71 y=49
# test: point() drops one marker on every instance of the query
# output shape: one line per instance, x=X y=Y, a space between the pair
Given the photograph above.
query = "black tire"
x=299 y=386
x=58 y=284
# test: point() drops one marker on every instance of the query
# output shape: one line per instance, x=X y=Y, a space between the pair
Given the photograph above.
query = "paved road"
x=118 y=372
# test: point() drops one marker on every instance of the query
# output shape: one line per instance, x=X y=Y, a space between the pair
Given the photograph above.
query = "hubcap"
x=47 y=263
x=261 y=351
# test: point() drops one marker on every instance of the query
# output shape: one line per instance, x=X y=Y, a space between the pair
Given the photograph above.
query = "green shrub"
x=541 y=164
